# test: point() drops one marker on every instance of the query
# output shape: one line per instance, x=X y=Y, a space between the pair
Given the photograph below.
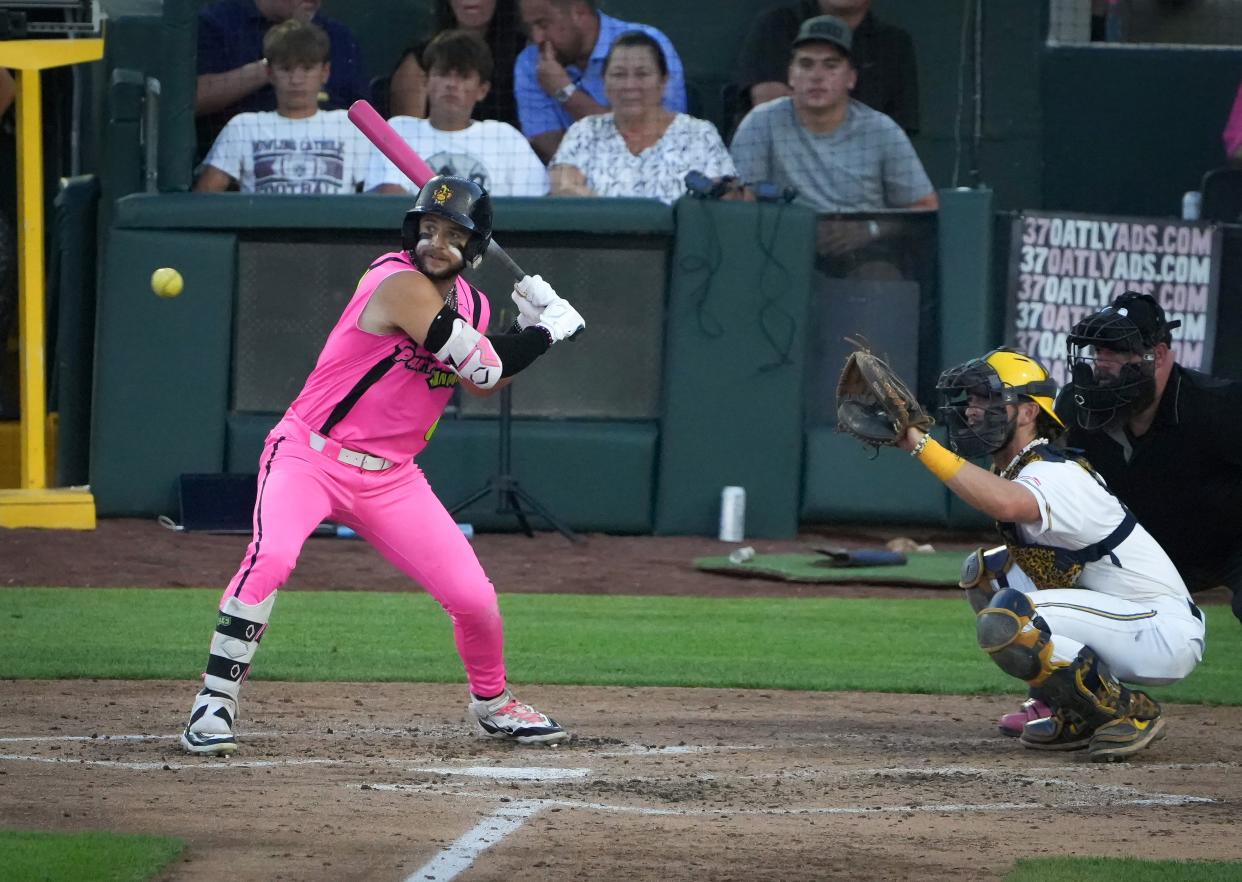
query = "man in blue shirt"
x=559 y=77
x=232 y=77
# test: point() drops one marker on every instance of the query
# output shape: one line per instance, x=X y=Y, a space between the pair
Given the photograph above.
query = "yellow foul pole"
x=33 y=504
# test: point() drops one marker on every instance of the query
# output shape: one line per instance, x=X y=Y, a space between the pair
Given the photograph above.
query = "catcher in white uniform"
x=1080 y=599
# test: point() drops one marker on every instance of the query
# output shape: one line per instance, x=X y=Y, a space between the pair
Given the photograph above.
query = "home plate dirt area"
x=342 y=781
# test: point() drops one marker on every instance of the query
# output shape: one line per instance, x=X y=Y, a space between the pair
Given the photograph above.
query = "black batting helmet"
x=1134 y=324
x=463 y=202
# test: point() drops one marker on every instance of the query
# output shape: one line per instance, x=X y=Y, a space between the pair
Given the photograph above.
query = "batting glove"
x=528 y=313
x=561 y=320
x=535 y=290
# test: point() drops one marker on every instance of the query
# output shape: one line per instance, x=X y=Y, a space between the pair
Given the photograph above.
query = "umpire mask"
x=976 y=397
x=1112 y=360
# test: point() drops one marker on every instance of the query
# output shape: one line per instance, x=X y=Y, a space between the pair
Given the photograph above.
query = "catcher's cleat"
x=1055 y=732
x=1121 y=738
x=210 y=730
x=506 y=717
x=1032 y=709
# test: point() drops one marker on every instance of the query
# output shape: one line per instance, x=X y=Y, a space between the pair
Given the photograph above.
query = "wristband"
x=942 y=463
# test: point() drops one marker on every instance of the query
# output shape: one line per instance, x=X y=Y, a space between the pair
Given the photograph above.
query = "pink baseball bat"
x=407 y=160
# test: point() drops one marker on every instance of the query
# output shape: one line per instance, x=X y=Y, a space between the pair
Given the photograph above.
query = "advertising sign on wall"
x=1063 y=267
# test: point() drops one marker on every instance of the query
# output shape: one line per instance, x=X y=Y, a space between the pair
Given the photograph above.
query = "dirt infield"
x=383 y=782
x=344 y=781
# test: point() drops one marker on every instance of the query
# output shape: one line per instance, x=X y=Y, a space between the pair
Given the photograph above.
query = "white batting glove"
x=528 y=313
x=560 y=320
x=535 y=290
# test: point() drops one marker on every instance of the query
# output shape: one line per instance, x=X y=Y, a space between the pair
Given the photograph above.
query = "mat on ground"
x=937 y=569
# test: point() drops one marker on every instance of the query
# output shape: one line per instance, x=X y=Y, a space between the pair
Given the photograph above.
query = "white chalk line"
x=167 y=766
x=458 y=857
x=510 y=773
x=1162 y=799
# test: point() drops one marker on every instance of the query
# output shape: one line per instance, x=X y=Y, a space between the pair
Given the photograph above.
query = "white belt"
x=365 y=461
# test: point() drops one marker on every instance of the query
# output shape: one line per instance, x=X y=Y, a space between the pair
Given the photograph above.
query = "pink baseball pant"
x=393 y=509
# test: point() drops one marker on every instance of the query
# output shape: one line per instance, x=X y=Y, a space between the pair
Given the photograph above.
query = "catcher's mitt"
x=873 y=404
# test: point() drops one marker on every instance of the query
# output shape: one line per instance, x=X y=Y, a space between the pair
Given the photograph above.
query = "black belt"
x=1194 y=610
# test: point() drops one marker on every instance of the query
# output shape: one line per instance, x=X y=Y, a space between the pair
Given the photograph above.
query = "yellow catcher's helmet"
x=1002 y=377
x=1026 y=377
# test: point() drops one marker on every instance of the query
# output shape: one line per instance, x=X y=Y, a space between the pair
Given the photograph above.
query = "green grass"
x=83 y=857
x=884 y=645
x=1123 y=870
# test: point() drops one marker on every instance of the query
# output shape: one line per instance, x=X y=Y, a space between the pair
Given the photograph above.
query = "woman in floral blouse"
x=639 y=149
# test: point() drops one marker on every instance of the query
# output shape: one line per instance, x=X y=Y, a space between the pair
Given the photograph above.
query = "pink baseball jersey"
x=382 y=394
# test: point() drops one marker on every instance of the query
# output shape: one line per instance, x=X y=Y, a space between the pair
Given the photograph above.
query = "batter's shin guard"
x=239 y=628
x=1017 y=639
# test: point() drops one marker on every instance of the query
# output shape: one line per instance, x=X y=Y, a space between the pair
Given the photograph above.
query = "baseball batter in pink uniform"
x=345 y=450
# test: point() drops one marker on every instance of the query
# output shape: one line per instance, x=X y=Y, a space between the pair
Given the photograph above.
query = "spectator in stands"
x=231 y=75
x=493 y=154
x=297 y=148
x=641 y=148
x=497 y=23
x=559 y=78
x=883 y=55
x=838 y=153
x=1233 y=130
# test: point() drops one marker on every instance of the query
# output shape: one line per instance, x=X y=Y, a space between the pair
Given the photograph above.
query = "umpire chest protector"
x=1048 y=565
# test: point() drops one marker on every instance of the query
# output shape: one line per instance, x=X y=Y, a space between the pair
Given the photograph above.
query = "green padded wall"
x=1154 y=115
x=594 y=476
x=75 y=272
x=735 y=345
x=970 y=308
x=847 y=482
x=178 y=83
x=161 y=368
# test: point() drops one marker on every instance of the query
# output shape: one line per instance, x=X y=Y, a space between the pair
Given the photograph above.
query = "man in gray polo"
x=839 y=154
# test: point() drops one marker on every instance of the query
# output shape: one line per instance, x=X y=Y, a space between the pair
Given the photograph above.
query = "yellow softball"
x=166 y=282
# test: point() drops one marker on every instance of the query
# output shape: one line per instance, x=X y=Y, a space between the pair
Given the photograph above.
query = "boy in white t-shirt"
x=493 y=154
x=297 y=148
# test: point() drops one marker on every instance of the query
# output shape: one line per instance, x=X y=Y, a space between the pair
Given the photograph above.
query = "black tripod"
x=510 y=495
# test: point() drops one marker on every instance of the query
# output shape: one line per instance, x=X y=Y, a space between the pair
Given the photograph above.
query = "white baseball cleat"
x=506 y=717
x=210 y=730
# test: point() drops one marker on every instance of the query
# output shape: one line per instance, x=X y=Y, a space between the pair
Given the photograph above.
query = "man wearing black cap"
x=883 y=56
x=1166 y=438
x=839 y=154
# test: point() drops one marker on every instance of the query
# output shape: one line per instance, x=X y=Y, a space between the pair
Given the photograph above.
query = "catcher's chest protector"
x=1047 y=565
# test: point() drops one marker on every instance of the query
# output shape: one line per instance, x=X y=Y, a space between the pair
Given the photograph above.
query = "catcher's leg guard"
x=239 y=628
x=981 y=568
x=1086 y=697
x=1141 y=725
x=1017 y=639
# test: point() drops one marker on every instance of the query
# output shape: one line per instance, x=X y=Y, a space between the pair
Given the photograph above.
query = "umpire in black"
x=1167 y=439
